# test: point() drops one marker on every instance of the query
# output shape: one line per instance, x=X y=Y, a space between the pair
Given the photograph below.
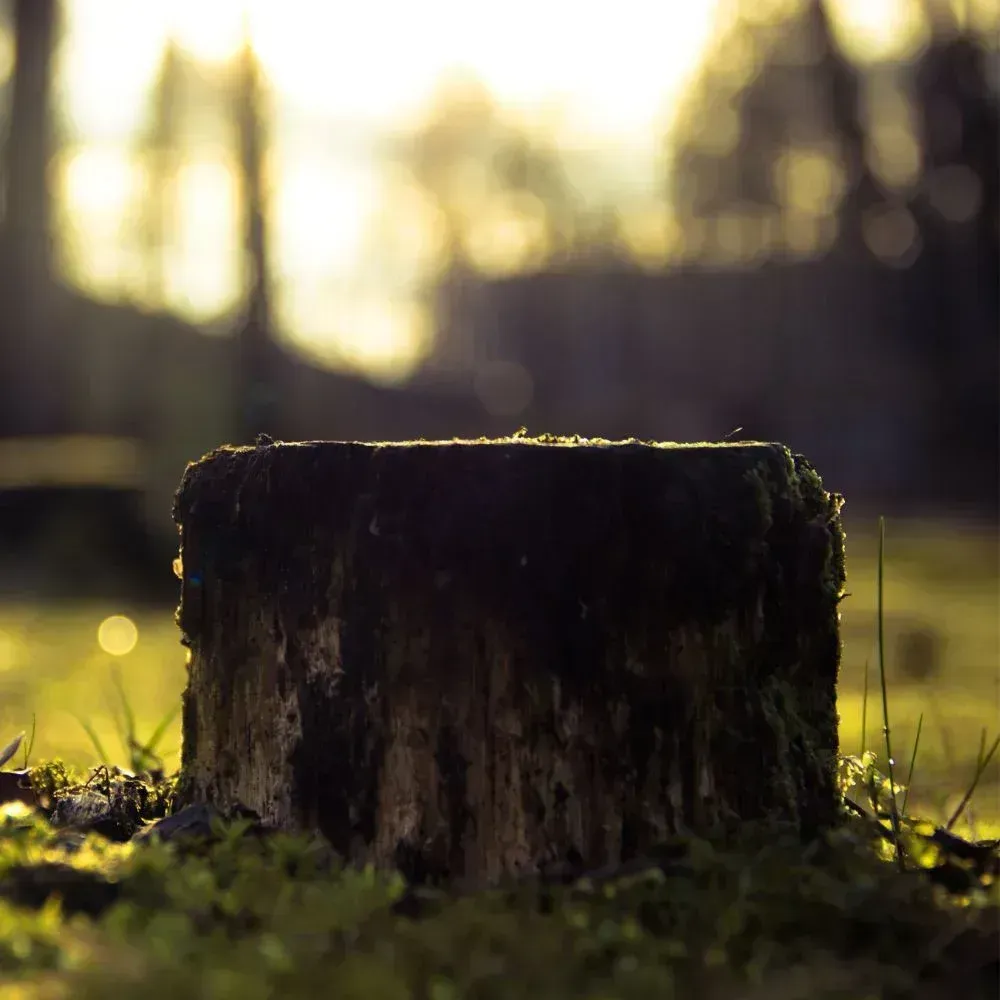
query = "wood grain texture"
x=472 y=659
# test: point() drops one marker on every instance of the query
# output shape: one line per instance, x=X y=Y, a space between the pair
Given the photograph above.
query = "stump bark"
x=480 y=658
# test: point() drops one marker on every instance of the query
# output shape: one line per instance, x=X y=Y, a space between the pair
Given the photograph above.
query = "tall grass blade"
x=913 y=760
x=981 y=764
x=864 y=713
x=31 y=741
x=885 y=694
x=128 y=736
x=29 y=746
x=149 y=747
x=94 y=739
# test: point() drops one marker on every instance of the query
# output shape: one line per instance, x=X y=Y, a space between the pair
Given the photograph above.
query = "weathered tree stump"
x=478 y=658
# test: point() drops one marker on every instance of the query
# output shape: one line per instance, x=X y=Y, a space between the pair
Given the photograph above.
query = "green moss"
x=50 y=778
x=260 y=917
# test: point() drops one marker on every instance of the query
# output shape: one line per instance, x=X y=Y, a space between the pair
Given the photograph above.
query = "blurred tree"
x=258 y=355
x=769 y=144
x=779 y=125
x=840 y=87
x=957 y=206
x=159 y=150
x=473 y=161
x=188 y=99
x=503 y=200
x=784 y=145
x=31 y=376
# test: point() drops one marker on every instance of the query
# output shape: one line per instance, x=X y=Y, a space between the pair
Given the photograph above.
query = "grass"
x=880 y=619
x=141 y=755
x=251 y=918
x=240 y=915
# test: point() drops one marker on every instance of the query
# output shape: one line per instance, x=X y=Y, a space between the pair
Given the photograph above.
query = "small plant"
x=7 y=753
x=11 y=749
x=142 y=756
x=958 y=865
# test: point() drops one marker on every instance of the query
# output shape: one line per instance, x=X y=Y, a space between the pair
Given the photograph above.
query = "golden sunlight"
x=6 y=55
x=374 y=62
x=97 y=185
x=320 y=213
x=870 y=30
x=203 y=272
x=97 y=182
x=386 y=339
x=102 y=84
x=210 y=31
x=348 y=284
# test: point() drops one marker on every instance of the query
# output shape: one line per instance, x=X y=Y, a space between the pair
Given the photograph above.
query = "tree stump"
x=481 y=658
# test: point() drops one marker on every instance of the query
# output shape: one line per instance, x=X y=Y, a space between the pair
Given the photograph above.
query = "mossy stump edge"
x=472 y=659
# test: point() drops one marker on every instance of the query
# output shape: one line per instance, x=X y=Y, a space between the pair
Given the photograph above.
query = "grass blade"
x=864 y=713
x=885 y=694
x=31 y=742
x=128 y=737
x=94 y=739
x=981 y=764
x=913 y=760
x=149 y=747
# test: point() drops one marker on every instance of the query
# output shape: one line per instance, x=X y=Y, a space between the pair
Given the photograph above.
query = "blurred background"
x=773 y=219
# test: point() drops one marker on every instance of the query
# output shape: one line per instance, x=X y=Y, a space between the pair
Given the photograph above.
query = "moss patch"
x=275 y=915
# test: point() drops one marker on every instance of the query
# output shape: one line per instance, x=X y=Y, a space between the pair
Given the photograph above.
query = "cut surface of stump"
x=471 y=659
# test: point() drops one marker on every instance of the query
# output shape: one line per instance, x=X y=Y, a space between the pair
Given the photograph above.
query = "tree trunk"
x=34 y=384
x=473 y=659
x=256 y=350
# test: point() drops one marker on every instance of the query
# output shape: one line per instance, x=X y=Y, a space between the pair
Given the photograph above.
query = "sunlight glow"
x=204 y=266
x=383 y=338
x=97 y=181
x=6 y=55
x=320 y=212
x=348 y=270
x=210 y=31
x=97 y=185
x=870 y=30
x=376 y=61
x=406 y=231
x=101 y=83
x=509 y=235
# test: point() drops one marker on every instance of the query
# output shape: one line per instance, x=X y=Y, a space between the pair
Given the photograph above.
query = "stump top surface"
x=484 y=445
x=558 y=440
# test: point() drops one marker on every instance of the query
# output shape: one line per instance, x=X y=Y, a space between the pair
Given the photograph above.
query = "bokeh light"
x=117 y=635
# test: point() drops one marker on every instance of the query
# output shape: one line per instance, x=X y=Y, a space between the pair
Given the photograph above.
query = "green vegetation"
x=238 y=912
x=142 y=756
x=890 y=905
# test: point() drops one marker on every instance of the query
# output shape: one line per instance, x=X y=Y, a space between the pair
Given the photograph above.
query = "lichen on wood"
x=473 y=658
